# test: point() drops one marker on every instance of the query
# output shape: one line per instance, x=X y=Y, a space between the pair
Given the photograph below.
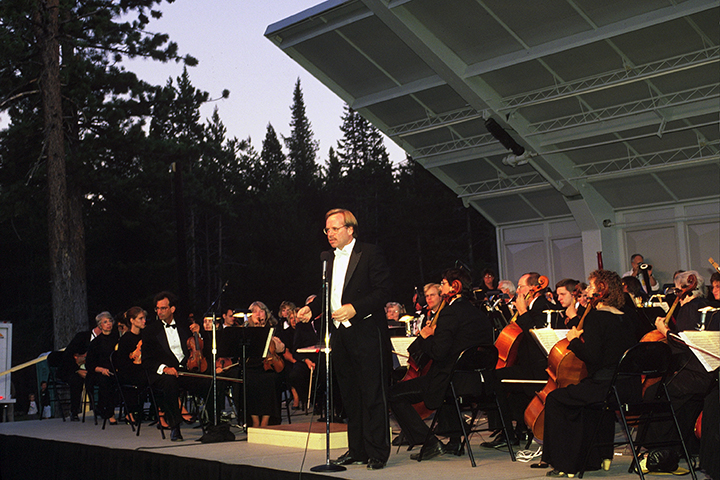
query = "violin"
x=196 y=362
x=657 y=335
x=273 y=360
x=508 y=340
x=136 y=355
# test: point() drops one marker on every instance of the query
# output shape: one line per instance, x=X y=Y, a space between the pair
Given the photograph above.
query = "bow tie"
x=171 y=326
x=341 y=253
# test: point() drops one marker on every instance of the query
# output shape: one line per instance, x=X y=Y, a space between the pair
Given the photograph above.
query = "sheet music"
x=267 y=342
x=709 y=341
x=400 y=345
x=548 y=337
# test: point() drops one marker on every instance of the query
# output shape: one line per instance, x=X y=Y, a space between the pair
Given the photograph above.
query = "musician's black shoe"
x=175 y=435
x=454 y=448
x=375 y=464
x=434 y=448
x=400 y=440
x=347 y=459
x=499 y=442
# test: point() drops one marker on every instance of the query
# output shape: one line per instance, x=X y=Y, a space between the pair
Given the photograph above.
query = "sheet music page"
x=267 y=342
x=548 y=337
x=709 y=341
x=400 y=345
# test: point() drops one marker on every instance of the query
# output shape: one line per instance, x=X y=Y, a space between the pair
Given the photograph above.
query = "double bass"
x=564 y=368
x=509 y=338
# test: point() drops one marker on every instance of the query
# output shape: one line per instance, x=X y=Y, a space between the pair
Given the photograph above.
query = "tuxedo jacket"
x=530 y=355
x=156 y=350
x=459 y=326
x=367 y=285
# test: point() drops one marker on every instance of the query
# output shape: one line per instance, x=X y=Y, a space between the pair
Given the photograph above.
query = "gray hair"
x=102 y=315
x=502 y=284
x=681 y=281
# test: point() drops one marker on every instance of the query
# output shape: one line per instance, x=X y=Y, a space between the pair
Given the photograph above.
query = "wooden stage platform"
x=50 y=449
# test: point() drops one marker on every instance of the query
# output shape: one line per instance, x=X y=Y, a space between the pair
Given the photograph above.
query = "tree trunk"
x=66 y=232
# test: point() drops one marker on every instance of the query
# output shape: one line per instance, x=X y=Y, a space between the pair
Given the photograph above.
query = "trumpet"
x=645 y=266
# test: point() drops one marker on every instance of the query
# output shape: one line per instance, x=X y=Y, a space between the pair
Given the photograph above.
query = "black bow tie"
x=171 y=326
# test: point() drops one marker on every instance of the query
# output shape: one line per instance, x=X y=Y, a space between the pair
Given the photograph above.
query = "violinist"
x=128 y=358
x=263 y=383
x=690 y=381
x=459 y=325
x=530 y=304
x=600 y=344
x=165 y=353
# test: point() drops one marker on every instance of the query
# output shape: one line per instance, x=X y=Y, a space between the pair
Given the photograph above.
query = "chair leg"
x=680 y=436
x=505 y=428
x=462 y=426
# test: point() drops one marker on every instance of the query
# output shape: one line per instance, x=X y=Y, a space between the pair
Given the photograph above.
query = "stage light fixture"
x=503 y=137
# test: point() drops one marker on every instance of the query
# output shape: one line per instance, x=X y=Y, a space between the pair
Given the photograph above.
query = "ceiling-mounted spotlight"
x=503 y=137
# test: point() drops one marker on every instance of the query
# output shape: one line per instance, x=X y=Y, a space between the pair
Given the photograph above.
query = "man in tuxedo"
x=460 y=325
x=164 y=354
x=359 y=288
x=531 y=362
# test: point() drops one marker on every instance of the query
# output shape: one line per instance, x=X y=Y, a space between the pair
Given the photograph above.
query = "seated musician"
x=530 y=304
x=299 y=366
x=433 y=299
x=712 y=320
x=600 y=343
x=99 y=368
x=489 y=283
x=565 y=290
x=165 y=353
x=690 y=382
x=71 y=367
x=459 y=325
x=264 y=378
x=128 y=359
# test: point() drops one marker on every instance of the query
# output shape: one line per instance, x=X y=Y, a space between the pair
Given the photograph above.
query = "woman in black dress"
x=99 y=368
x=600 y=344
x=128 y=359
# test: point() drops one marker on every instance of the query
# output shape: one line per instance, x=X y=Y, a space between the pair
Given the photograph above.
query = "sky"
x=226 y=36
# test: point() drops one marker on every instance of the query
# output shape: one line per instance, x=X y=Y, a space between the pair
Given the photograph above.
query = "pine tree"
x=88 y=96
x=301 y=146
x=273 y=167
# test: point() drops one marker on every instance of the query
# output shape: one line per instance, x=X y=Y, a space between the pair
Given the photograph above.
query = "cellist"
x=530 y=303
x=604 y=337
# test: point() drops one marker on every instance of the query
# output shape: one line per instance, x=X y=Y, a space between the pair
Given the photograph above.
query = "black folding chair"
x=472 y=387
x=644 y=361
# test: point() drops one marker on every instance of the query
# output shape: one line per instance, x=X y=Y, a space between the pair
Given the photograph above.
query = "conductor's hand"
x=344 y=313
x=170 y=371
x=304 y=314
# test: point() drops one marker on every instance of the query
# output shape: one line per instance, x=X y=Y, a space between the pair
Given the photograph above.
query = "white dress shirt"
x=340 y=266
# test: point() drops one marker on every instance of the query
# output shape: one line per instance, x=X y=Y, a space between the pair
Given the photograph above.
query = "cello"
x=564 y=368
x=509 y=338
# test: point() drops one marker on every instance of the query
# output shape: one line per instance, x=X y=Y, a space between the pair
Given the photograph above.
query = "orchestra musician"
x=637 y=262
x=600 y=344
x=99 y=368
x=264 y=374
x=530 y=304
x=690 y=381
x=165 y=353
x=433 y=298
x=128 y=358
x=359 y=280
x=565 y=291
x=459 y=325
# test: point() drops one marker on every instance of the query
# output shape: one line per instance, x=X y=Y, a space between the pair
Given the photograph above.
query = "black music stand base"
x=328 y=467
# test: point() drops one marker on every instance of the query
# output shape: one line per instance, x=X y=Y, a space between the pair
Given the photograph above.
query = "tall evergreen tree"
x=302 y=148
x=68 y=100
x=273 y=163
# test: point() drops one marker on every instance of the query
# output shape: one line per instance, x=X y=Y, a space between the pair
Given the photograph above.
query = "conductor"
x=359 y=289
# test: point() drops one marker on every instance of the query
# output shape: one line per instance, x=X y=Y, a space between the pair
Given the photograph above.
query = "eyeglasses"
x=444 y=282
x=333 y=229
x=160 y=309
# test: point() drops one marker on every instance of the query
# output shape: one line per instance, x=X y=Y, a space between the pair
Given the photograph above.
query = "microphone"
x=325 y=257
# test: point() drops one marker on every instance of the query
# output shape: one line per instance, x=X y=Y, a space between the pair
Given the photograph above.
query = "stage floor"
x=491 y=464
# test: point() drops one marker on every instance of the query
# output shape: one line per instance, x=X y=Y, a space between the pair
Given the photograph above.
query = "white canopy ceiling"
x=615 y=102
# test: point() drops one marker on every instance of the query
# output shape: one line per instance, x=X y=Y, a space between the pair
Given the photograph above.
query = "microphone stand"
x=327 y=466
x=214 y=353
